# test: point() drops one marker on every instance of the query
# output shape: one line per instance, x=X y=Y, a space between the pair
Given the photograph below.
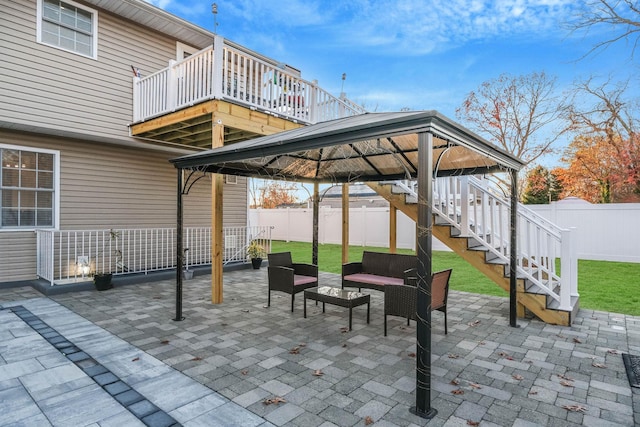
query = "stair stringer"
x=535 y=303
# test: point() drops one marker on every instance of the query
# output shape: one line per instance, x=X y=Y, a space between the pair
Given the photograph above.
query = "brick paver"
x=482 y=371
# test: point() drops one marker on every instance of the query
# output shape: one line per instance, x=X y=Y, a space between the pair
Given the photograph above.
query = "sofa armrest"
x=351 y=268
x=411 y=276
x=305 y=269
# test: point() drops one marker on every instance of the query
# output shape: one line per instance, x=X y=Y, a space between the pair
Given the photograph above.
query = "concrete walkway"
x=240 y=363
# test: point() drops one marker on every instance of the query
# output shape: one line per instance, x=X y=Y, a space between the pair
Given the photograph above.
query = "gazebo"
x=418 y=145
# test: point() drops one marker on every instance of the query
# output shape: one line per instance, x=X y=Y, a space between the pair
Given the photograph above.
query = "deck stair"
x=473 y=220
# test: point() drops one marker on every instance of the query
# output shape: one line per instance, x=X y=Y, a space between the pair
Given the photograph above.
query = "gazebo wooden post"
x=423 y=325
x=217 y=140
x=393 y=229
x=345 y=223
x=179 y=247
x=316 y=206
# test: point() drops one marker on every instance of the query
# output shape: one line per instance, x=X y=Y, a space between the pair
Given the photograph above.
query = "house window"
x=28 y=188
x=68 y=26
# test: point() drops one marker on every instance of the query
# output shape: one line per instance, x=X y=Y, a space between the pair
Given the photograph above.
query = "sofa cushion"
x=374 y=279
x=303 y=280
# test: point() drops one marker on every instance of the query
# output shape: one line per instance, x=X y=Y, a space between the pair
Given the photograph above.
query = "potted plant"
x=102 y=277
x=255 y=252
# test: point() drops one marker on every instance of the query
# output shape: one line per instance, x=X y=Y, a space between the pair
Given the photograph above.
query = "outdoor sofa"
x=378 y=269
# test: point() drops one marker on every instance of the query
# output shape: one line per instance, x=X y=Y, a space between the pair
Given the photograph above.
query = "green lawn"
x=604 y=286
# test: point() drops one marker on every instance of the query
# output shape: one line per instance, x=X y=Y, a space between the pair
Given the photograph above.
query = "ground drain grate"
x=118 y=389
x=632 y=365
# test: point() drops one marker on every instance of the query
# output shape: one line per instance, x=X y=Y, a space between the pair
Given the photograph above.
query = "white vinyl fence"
x=367 y=226
x=608 y=232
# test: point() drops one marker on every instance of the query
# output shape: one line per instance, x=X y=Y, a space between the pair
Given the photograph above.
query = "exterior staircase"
x=472 y=220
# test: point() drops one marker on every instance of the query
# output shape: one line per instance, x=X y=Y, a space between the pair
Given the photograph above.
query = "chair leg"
x=385 y=325
x=407 y=321
x=269 y=298
x=293 y=296
x=445 y=322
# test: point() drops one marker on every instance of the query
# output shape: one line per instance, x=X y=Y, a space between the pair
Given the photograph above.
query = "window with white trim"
x=68 y=26
x=28 y=188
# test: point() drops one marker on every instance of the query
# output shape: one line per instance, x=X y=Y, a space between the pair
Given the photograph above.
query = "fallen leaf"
x=503 y=354
x=564 y=377
x=244 y=310
x=457 y=391
x=509 y=358
x=560 y=335
x=164 y=342
x=411 y=355
x=475 y=385
x=197 y=358
x=533 y=392
x=613 y=351
x=135 y=359
x=344 y=345
x=344 y=330
x=566 y=383
x=528 y=361
x=517 y=377
x=157 y=297
x=598 y=365
x=473 y=423
x=453 y=356
x=481 y=343
x=455 y=381
x=402 y=328
x=474 y=323
x=244 y=372
x=368 y=420
x=302 y=344
x=575 y=408
x=317 y=373
x=276 y=400
x=223 y=324
x=295 y=350
x=577 y=341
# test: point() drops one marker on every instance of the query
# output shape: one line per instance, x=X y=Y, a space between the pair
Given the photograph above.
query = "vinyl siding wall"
x=52 y=88
x=108 y=186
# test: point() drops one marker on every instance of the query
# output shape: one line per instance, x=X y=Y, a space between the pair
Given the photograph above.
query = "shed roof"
x=367 y=147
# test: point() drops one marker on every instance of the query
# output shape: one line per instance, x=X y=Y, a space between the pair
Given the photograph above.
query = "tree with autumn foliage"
x=271 y=194
x=604 y=115
x=593 y=171
x=541 y=187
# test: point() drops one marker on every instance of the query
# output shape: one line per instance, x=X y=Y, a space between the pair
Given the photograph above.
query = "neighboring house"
x=71 y=102
x=359 y=195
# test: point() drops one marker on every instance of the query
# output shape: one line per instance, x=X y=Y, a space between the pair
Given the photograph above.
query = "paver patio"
x=482 y=371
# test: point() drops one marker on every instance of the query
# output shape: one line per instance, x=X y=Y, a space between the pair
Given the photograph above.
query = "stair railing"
x=469 y=205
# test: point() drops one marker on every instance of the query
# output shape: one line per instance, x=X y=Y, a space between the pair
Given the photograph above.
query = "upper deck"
x=249 y=94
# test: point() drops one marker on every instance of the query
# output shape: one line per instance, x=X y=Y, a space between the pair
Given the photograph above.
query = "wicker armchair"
x=402 y=300
x=289 y=277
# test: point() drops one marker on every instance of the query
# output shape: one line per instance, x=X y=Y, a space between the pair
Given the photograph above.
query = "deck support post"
x=423 y=315
x=217 y=140
x=393 y=229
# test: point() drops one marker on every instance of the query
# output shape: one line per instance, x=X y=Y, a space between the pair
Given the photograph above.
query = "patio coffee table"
x=339 y=297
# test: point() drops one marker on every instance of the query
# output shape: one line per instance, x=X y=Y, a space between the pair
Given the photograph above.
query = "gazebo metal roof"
x=367 y=147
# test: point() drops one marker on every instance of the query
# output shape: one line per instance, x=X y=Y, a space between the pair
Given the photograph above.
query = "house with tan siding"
x=97 y=96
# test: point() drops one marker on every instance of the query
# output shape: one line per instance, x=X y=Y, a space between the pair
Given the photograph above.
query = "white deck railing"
x=73 y=256
x=226 y=72
x=468 y=204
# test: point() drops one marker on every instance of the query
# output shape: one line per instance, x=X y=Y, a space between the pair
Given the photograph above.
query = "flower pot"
x=102 y=282
x=187 y=274
x=256 y=263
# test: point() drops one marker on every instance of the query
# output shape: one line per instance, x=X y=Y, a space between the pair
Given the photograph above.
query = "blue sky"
x=420 y=55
